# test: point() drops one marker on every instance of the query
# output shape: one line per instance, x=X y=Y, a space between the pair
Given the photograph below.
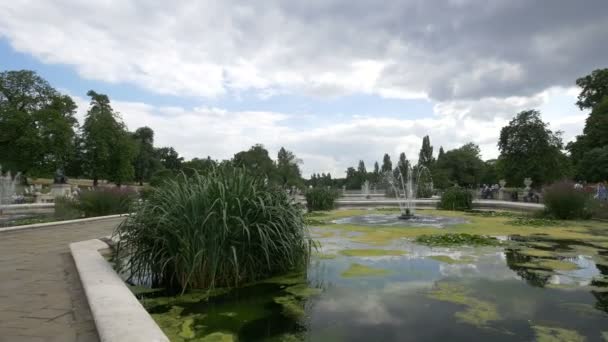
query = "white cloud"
x=325 y=48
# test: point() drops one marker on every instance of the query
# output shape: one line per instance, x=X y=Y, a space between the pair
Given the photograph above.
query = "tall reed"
x=223 y=229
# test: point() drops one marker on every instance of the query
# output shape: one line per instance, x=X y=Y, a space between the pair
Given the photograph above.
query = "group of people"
x=488 y=191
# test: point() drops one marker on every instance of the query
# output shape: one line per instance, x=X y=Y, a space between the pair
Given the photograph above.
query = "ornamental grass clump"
x=456 y=198
x=320 y=199
x=563 y=201
x=106 y=201
x=224 y=229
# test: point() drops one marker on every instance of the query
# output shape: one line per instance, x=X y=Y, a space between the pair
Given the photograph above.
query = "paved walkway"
x=41 y=298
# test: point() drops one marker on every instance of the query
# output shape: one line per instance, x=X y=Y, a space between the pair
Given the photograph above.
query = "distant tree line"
x=528 y=149
x=40 y=134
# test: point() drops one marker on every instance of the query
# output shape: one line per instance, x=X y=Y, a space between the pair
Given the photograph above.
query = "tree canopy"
x=528 y=148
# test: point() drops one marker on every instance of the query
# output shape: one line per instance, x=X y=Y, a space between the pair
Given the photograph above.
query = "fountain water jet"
x=7 y=187
x=409 y=187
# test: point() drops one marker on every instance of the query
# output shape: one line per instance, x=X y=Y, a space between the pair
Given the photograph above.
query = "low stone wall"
x=117 y=313
x=29 y=208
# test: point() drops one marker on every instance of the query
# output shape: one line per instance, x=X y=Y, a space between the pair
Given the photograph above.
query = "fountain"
x=365 y=189
x=407 y=194
x=407 y=188
x=7 y=187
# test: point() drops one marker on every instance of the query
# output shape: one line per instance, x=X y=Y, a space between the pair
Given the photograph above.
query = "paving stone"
x=41 y=298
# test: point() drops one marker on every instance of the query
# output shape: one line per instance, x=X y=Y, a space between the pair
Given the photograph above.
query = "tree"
x=37 y=124
x=169 y=158
x=528 y=148
x=288 y=170
x=593 y=167
x=387 y=165
x=256 y=160
x=146 y=160
x=462 y=166
x=595 y=135
x=361 y=172
x=425 y=157
x=441 y=153
x=489 y=174
x=108 y=147
x=594 y=89
x=352 y=179
x=202 y=166
x=403 y=167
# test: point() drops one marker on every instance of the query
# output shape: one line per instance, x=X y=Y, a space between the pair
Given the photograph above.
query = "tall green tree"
x=528 y=148
x=146 y=161
x=425 y=157
x=440 y=154
x=169 y=158
x=594 y=89
x=403 y=167
x=462 y=166
x=256 y=160
x=37 y=124
x=108 y=146
x=387 y=165
x=288 y=170
x=594 y=137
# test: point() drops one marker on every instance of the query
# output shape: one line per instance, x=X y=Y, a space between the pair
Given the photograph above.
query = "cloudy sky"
x=334 y=81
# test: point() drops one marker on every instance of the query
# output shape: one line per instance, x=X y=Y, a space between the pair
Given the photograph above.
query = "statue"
x=60 y=178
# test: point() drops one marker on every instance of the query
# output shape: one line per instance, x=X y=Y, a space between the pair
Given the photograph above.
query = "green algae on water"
x=291 y=306
x=218 y=337
x=449 y=260
x=358 y=270
x=553 y=334
x=548 y=264
x=371 y=252
x=477 y=312
x=456 y=239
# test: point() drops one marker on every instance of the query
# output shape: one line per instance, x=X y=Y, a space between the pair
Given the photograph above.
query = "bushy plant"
x=456 y=198
x=106 y=201
x=67 y=209
x=159 y=177
x=224 y=229
x=563 y=201
x=320 y=198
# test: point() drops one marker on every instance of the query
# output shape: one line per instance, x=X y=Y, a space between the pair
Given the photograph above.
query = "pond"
x=368 y=284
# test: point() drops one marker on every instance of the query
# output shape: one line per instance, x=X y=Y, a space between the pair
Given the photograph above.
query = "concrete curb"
x=117 y=313
x=58 y=223
x=432 y=204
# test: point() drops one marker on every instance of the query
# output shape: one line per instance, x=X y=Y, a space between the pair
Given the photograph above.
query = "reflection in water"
x=462 y=294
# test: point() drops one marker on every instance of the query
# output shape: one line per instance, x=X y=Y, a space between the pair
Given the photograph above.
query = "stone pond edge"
x=118 y=315
x=59 y=223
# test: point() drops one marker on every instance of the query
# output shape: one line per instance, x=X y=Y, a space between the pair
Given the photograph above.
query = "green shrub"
x=320 y=199
x=106 y=201
x=598 y=209
x=564 y=202
x=146 y=191
x=67 y=209
x=159 y=177
x=456 y=198
x=227 y=228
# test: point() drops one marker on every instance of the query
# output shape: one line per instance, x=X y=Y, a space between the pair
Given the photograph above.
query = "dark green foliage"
x=224 y=229
x=108 y=149
x=457 y=239
x=37 y=124
x=169 y=158
x=528 y=148
x=598 y=209
x=387 y=165
x=588 y=152
x=533 y=221
x=159 y=177
x=288 y=170
x=456 y=198
x=462 y=166
x=564 y=202
x=320 y=199
x=67 y=209
x=146 y=160
x=257 y=161
x=425 y=157
x=594 y=89
x=106 y=201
